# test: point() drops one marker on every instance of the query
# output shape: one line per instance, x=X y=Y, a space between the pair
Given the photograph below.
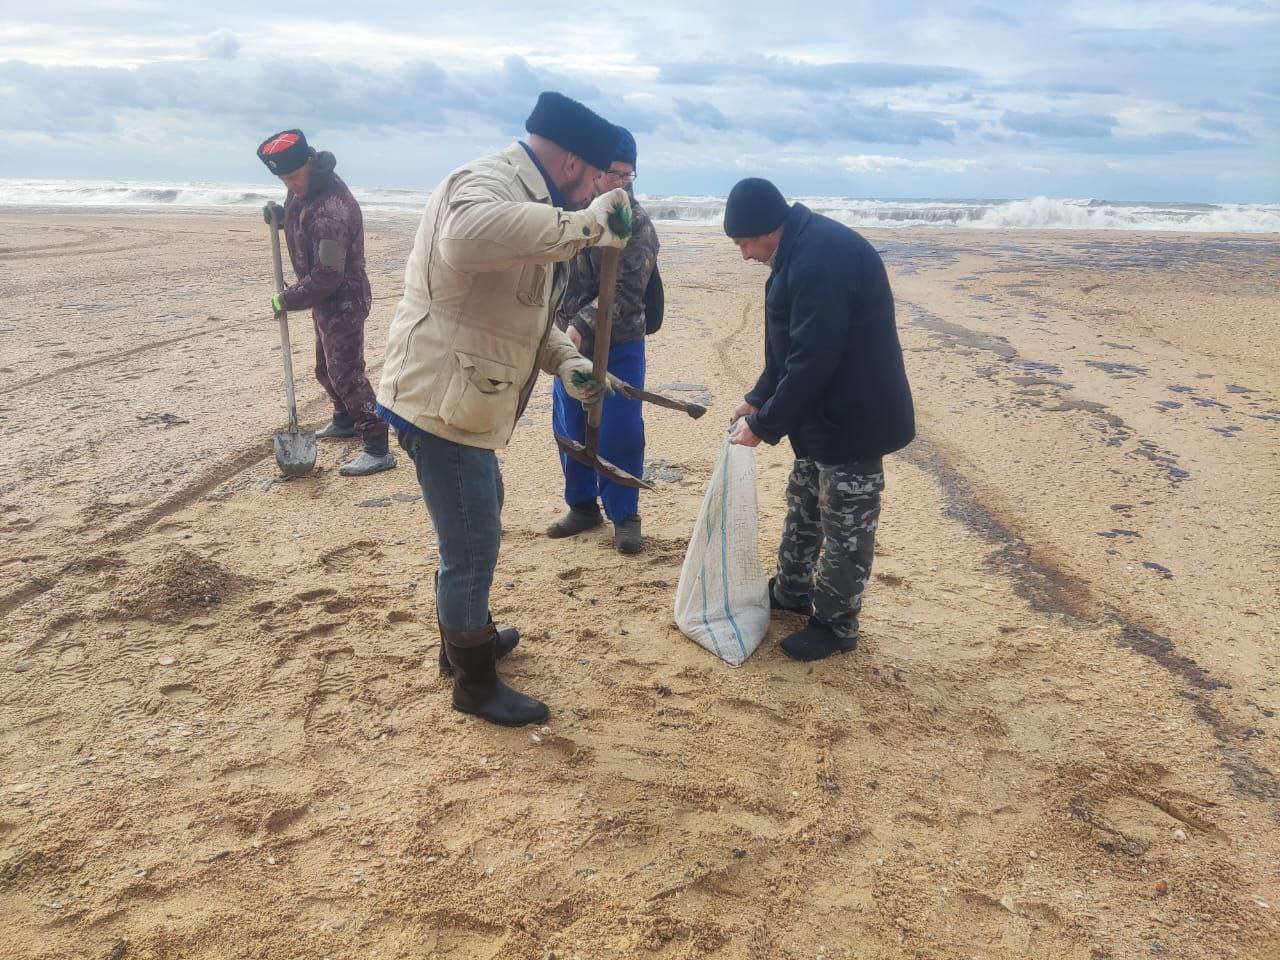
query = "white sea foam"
x=1037 y=213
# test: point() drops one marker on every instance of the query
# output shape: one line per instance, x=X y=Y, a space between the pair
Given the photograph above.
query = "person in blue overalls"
x=622 y=424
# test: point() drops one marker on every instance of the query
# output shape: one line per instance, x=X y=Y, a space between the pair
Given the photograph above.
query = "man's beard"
x=570 y=190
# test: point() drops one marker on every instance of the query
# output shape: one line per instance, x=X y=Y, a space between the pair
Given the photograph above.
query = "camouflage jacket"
x=578 y=305
x=325 y=234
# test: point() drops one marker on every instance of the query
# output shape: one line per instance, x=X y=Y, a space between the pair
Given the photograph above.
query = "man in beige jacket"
x=464 y=350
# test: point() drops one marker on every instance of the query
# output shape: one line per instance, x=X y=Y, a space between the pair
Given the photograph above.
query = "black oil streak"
x=1047 y=589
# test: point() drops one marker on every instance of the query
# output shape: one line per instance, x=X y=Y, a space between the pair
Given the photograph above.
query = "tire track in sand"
x=200 y=487
x=86 y=244
x=1048 y=587
x=124 y=354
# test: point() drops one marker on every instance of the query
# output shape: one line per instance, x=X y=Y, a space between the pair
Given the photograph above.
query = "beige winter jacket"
x=474 y=324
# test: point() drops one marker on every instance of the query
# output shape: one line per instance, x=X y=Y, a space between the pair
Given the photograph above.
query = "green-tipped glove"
x=575 y=374
x=277 y=304
x=612 y=211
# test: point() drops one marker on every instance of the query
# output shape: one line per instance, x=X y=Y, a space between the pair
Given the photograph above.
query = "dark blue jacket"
x=834 y=380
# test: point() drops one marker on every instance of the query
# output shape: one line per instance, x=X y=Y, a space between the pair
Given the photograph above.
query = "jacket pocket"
x=531 y=289
x=481 y=395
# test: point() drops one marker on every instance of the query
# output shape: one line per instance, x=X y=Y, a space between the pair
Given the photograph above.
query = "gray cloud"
x=702 y=114
x=222 y=44
x=1173 y=141
x=992 y=15
x=1012 y=86
x=1059 y=125
x=822 y=123
x=416 y=95
x=781 y=73
x=1070 y=88
x=1165 y=144
x=1225 y=127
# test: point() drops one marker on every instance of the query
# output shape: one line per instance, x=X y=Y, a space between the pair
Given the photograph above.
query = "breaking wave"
x=1037 y=213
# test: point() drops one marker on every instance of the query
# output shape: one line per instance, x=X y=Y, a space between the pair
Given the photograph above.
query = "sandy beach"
x=222 y=734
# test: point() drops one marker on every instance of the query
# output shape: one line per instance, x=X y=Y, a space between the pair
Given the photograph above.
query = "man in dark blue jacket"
x=835 y=384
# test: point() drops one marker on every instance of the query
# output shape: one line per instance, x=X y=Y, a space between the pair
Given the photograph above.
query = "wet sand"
x=222 y=733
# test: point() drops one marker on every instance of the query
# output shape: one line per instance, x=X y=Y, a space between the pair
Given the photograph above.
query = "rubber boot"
x=776 y=604
x=508 y=640
x=341 y=427
x=580 y=518
x=377 y=456
x=816 y=641
x=626 y=536
x=367 y=464
x=476 y=687
x=508 y=637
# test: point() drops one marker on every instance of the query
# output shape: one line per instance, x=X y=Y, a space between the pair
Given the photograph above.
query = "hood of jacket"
x=322 y=173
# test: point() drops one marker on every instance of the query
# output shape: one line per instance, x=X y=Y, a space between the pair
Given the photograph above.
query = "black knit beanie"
x=626 y=148
x=755 y=207
x=285 y=152
x=573 y=126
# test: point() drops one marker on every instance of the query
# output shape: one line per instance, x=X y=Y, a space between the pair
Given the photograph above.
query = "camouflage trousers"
x=340 y=370
x=829 y=539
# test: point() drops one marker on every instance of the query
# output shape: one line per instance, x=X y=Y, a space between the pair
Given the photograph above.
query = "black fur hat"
x=575 y=127
x=285 y=152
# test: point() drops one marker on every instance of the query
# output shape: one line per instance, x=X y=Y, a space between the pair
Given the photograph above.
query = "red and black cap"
x=284 y=152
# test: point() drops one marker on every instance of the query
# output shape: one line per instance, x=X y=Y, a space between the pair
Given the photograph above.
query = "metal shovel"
x=295 y=449
x=587 y=453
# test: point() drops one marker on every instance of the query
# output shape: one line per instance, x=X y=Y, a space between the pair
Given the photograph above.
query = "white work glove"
x=616 y=200
x=575 y=374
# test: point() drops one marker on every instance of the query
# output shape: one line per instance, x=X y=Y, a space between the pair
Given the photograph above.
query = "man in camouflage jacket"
x=622 y=424
x=324 y=231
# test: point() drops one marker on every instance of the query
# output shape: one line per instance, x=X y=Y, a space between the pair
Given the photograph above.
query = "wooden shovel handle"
x=604 y=335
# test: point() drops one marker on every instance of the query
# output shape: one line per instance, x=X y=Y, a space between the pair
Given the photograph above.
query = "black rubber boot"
x=476 y=687
x=580 y=518
x=816 y=642
x=508 y=637
x=776 y=604
x=626 y=536
x=508 y=640
x=341 y=427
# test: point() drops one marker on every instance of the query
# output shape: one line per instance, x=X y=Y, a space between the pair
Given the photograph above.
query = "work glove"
x=575 y=374
x=277 y=304
x=612 y=211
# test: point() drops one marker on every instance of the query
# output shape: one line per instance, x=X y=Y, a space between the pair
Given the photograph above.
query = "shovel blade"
x=600 y=465
x=295 y=452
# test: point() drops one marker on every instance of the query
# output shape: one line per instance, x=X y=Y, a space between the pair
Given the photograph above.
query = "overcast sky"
x=1114 y=99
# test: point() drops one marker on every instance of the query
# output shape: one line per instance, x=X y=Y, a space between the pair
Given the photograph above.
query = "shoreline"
x=709 y=210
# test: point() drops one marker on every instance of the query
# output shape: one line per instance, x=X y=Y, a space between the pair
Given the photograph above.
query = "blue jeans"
x=462 y=487
x=621 y=438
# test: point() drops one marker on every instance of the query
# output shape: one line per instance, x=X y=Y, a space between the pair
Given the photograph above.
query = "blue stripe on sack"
x=702 y=583
x=706 y=602
x=724 y=560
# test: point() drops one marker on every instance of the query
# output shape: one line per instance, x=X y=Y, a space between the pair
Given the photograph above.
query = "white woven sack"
x=722 y=600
